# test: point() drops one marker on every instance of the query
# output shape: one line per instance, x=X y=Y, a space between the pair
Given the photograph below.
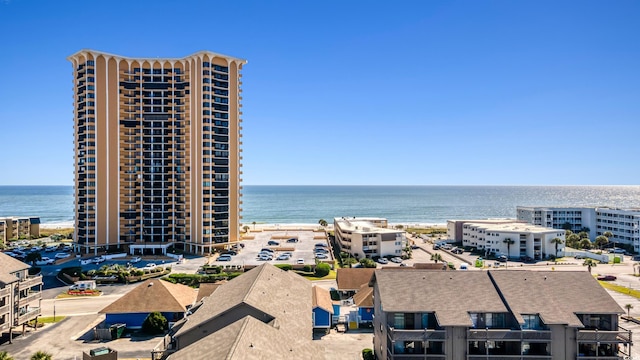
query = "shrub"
x=367 y=354
x=368 y=263
x=322 y=270
x=307 y=268
x=155 y=323
x=285 y=267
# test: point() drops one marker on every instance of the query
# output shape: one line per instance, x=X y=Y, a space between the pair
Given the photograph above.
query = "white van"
x=83 y=285
x=464 y=266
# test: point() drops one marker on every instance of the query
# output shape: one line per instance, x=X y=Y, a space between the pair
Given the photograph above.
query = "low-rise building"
x=515 y=240
x=265 y=313
x=20 y=293
x=622 y=223
x=19 y=228
x=364 y=237
x=554 y=315
x=455 y=228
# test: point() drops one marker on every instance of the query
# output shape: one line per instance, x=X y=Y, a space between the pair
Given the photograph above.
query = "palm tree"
x=557 y=241
x=628 y=307
x=601 y=241
x=254 y=225
x=573 y=241
x=585 y=244
x=436 y=257
x=246 y=228
x=636 y=265
x=509 y=242
x=399 y=227
x=323 y=222
x=5 y=356
x=589 y=263
x=41 y=355
x=609 y=235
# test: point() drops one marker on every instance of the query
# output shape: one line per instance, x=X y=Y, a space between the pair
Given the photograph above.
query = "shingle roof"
x=7 y=279
x=249 y=338
x=452 y=295
x=153 y=295
x=281 y=294
x=10 y=265
x=353 y=278
x=207 y=289
x=555 y=295
x=322 y=299
x=364 y=296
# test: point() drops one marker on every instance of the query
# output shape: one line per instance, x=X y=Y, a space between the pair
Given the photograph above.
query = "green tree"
x=322 y=270
x=589 y=263
x=583 y=235
x=323 y=222
x=5 y=356
x=155 y=323
x=254 y=225
x=567 y=233
x=573 y=241
x=246 y=228
x=368 y=263
x=436 y=257
x=32 y=257
x=585 y=244
x=41 y=355
x=367 y=354
x=557 y=241
x=399 y=227
x=567 y=226
x=601 y=241
x=608 y=234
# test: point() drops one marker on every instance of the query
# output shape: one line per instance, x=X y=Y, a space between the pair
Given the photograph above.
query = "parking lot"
x=302 y=251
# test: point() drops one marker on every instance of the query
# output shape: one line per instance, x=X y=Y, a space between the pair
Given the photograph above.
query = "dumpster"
x=117 y=330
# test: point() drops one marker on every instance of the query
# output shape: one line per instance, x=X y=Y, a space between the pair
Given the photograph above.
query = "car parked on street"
x=136 y=259
x=321 y=256
x=607 y=278
x=45 y=261
x=62 y=255
x=292 y=240
x=383 y=261
x=224 y=257
x=98 y=260
x=283 y=257
x=396 y=260
x=273 y=243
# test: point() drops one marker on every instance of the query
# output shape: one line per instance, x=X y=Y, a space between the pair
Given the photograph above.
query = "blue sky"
x=358 y=92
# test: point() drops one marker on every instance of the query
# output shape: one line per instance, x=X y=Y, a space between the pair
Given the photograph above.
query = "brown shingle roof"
x=249 y=338
x=281 y=294
x=153 y=295
x=452 y=295
x=9 y=265
x=207 y=289
x=364 y=296
x=322 y=299
x=555 y=295
x=350 y=279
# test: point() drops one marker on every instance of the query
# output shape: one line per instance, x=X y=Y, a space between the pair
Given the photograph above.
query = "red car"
x=606 y=278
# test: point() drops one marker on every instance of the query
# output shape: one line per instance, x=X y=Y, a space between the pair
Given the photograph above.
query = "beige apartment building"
x=157 y=151
x=20 y=294
x=19 y=228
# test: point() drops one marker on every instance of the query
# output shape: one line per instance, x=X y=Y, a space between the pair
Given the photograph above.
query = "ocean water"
x=399 y=204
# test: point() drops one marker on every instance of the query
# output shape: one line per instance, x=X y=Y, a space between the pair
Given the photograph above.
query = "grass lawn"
x=427 y=231
x=310 y=277
x=47 y=320
x=621 y=289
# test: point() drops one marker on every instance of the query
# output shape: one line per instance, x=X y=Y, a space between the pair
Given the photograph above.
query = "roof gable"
x=322 y=299
x=153 y=295
x=9 y=265
x=353 y=278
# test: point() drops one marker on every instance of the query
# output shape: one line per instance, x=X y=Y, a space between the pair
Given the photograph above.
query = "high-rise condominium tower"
x=157 y=151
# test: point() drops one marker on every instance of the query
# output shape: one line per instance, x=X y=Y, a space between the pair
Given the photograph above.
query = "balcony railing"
x=31 y=282
x=417 y=334
x=29 y=315
x=5 y=309
x=510 y=357
x=4 y=292
x=32 y=296
x=507 y=334
x=622 y=336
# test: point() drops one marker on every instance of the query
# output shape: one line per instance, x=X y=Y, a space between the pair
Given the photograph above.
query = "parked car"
x=230 y=252
x=321 y=250
x=457 y=250
x=616 y=251
x=273 y=243
x=321 y=256
x=579 y=256
x=436 y=247
x=503 y=258
x=62 y=255
x=300 y=261
x=292 y=240
x=51 y=248
x=35 y=248
x=136 y=259
x=265 y=257
x=283 y=257
x=98 y=260
x=45 y=261
x=396 y=260
x=267 y=250
x=383 y=261
x=224 y=257
x=607 y=278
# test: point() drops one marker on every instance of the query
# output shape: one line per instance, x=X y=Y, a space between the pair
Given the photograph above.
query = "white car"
x=136 y=259
x=300 y=261
x=45 y=261
x=98 y=260
x=62 y=255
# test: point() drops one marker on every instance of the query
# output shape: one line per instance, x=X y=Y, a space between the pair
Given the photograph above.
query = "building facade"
x=477 y=315
x=19 y=228
x=157 y=151
x=20 y=294
x=516 y=240
x=365 y=237
x=623 y=223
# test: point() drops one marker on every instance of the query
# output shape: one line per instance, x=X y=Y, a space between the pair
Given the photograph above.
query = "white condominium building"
x=623 y=223
x=512 y=239
x=364 y=237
